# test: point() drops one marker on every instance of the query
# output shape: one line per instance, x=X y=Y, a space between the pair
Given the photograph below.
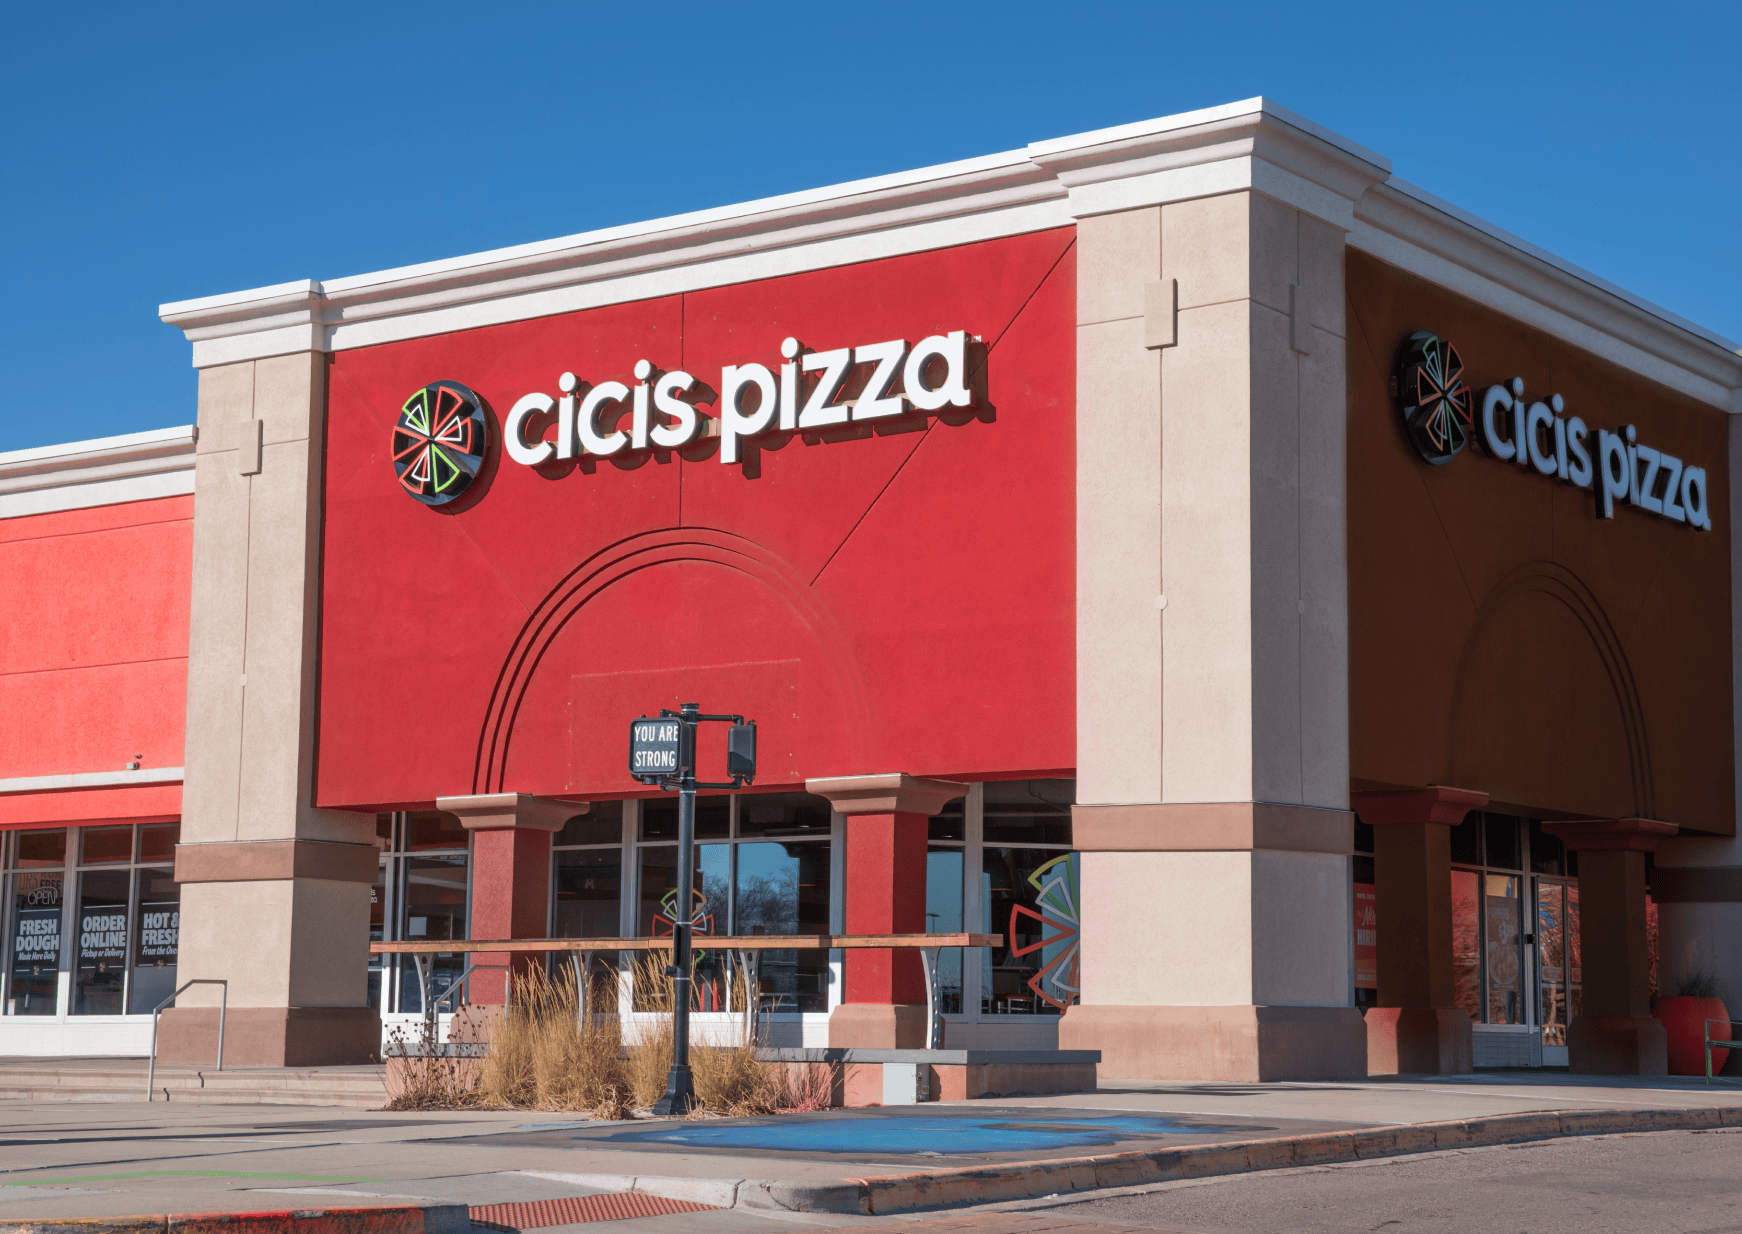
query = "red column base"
x=877 y=1026
x=1617 y=1045
x=1419 y=1041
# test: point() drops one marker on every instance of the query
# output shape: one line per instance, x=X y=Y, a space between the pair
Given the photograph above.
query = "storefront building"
x=1295 y=614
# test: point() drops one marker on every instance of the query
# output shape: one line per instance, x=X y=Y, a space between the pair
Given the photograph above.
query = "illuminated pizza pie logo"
x=438 y=444
x=1438 y=408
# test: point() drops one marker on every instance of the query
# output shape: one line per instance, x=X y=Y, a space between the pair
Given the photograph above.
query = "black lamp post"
x=662 y=751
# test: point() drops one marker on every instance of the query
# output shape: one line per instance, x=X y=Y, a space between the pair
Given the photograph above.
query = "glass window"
x=1467 y=840
x=1032 y=894
x=435 y=909
x=1501 y=948
x=1363 y=836
x=943 y=915
x=1501 y=832
x=713 y=818
x=1466 y=945
x=589 y=891
x=427 y=829
x=783 y=888
x=34 y=965
x=156 y=937
x=783 y=814
x=601 y=824
x=1557 y=908
x=950 y=823
x=100 y=957
x=103 y=845
x=378 y=932
x=1547 y=853
x=39 y=850
x=157 y=841
x=1029 y=812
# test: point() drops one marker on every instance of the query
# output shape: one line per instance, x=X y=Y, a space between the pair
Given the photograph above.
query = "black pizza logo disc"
x=438 y=443
x=1438 y=408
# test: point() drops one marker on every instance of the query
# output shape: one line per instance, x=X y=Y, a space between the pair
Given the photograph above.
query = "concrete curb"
x=1021 y=1180
x=414 y=1219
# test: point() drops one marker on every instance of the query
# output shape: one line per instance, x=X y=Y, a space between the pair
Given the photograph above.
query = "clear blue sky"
x=165 y=151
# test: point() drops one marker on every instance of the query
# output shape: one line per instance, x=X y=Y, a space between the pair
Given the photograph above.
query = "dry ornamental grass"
x=543 y=1054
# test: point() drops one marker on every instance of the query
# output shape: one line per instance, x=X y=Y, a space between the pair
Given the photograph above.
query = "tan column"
x=1417 y=1028
x=1212 y=660
x=1614 y=1034
x=1697 y=882
x=883 y=994
x=275 y=895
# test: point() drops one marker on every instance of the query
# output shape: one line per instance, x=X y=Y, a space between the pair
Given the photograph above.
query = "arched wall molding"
x=1561 y=584
x=620 y=561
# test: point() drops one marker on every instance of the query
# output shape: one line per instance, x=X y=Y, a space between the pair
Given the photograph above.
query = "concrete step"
x=362 y=1087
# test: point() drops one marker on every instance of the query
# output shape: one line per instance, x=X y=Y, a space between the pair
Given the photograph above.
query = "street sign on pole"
x=654 y=747
x=662 y=751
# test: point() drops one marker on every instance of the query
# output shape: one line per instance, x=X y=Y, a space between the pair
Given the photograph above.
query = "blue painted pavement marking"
x=917 y=1133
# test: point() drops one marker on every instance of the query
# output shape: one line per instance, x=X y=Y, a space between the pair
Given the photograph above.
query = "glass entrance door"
x=1557 y=965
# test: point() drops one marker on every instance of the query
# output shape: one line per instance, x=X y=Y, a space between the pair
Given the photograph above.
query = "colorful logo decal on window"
x=1438 y=408
x=1056 y=903
x=438 y=444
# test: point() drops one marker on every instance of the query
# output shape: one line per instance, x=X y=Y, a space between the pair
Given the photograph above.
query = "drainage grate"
x=574 y=1209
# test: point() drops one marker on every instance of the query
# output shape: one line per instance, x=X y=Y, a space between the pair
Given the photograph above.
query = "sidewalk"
x=832 y=1168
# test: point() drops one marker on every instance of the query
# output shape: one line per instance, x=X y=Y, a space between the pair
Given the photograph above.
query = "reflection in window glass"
x=589 y=889
x=33 y=968
x=156 y=939
x=1501 y=911
x=784 y=889
x=1466 y=945
x=1575 y=971
x=943 y=915
x=100 y=963
x=1029 y=812
x=435 y=909
x=377 y=931
x=1551 y=953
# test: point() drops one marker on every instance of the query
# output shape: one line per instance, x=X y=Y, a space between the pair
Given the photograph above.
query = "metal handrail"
x=1728 y=1043
x=223 y=1010
x=424 y=981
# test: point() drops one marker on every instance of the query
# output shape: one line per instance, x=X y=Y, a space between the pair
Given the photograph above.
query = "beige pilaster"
x=1697 y=884
x=1212 y=658
x=276 y=892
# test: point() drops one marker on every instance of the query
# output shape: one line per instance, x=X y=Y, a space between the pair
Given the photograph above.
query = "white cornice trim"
x=936 y=207
x=92 y=779
x=1249 y=145
x=106 y=471
x=1414 y=230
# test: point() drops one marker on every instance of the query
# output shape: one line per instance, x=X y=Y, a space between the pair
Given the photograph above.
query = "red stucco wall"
x=898 y=601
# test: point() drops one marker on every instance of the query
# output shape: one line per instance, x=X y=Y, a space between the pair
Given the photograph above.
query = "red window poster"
x=1366 y=938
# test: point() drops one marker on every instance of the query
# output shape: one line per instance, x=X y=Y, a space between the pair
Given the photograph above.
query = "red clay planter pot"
x=1684 y=1024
